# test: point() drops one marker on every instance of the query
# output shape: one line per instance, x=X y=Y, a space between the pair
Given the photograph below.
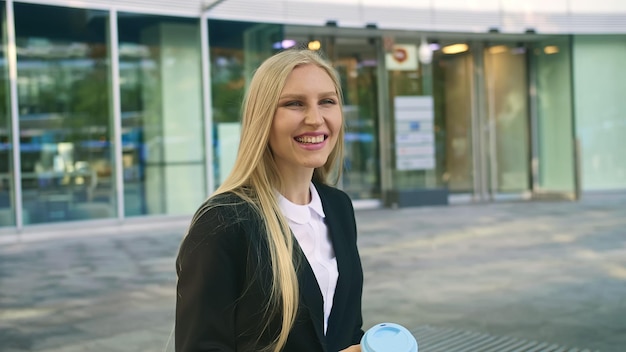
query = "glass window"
x=419 y=119
x=355 y=59
x=65 y=130
x=162 y=123
x=236 y=50
x=7 y=211
x=599 y=86
x=556 y=170
x=452 y=85
x=506 y=94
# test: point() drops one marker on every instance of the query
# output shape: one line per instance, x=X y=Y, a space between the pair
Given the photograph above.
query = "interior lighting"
x=284 y=44
x=455 y=49
x=288 y=43
x=498 y=49
x=425 y=53
x=551 y=49
x=314 y=45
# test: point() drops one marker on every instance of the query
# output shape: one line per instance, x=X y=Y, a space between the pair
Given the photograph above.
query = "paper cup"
x=388 y=337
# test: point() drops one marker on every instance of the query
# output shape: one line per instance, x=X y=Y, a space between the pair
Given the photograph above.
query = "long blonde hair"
x=255 y=169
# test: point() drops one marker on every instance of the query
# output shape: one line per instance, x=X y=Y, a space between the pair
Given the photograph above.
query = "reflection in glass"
x=554 y=117
x=7 y=210
x=237 y=49
x=599 y=86
x=162 y=128
x=507 y=104
x=453 y=99
x=63 y=93
x=427 y=169
x=356 y=62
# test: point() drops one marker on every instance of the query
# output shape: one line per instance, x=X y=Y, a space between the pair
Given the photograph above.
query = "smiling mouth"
x=311 y=139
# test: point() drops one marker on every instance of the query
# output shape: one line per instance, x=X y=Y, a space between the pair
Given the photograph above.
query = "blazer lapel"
x=310 y=293
x=333 y=222
x=311 y=296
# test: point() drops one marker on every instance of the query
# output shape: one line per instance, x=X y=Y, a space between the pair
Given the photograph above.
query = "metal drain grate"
x=432 y=339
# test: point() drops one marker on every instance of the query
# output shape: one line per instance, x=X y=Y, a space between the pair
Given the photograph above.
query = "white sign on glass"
x=415 y=136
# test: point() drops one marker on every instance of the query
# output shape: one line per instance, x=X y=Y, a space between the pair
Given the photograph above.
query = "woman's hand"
x=353 y=348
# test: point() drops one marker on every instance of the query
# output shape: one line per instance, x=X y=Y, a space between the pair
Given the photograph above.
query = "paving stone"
x=544 y=271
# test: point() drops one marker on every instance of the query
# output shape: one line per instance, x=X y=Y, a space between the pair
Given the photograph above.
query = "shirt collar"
x=301 y=214
x=316 y=202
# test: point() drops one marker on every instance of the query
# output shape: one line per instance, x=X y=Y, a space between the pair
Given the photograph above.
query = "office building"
x=113 y=109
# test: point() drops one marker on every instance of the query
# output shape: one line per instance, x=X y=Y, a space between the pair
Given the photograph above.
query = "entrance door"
x=506 y=96
x=555 y=172
x=483 y=96
x=355 y=60
x=506 y=114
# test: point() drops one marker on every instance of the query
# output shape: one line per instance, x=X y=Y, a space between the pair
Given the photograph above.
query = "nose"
x=314 y=116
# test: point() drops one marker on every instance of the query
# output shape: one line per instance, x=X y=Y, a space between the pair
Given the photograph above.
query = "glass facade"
x=355 y=59
x=555 y=124
x=236 y=49
x=425 y=167
x=506 y=93
x=599 y=88
x=453 y=84
x=64 y=113
x=161 y=113
x=498 y=117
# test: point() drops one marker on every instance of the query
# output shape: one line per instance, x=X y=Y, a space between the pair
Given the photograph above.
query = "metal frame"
x=531 y=63
x=117 y=111
x=385 y=145
x=492 y=139
x=479 y=125
x=207 y=102
x=15 y=121
x=120 y=6
x=577 y=144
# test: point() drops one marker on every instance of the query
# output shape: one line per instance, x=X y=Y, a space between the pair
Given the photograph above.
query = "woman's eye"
x=328 y=101
x=293 y=103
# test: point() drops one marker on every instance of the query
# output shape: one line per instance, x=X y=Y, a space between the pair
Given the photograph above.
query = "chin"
x=315 y=164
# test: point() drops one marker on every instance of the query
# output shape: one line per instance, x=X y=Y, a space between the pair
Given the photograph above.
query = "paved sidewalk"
x=545 y=271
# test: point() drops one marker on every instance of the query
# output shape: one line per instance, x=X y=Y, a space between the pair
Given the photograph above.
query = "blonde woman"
x=270 y=261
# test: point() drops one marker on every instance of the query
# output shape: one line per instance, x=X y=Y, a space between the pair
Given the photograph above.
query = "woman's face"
x=307 y=121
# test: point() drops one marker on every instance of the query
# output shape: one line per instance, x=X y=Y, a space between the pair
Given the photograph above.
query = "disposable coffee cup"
x=388 y=337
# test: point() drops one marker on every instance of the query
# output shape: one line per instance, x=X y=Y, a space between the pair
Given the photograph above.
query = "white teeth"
x=310 y=139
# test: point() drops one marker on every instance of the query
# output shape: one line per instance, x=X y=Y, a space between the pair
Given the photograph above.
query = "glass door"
x=506 y=93
x=356 y=61
x=503 y=112
x=554 y=146
x=453 y=90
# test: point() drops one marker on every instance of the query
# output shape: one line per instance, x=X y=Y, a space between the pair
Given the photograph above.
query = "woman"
x=270 y=261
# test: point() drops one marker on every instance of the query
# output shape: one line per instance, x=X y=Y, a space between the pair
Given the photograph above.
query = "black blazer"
x=224 y=281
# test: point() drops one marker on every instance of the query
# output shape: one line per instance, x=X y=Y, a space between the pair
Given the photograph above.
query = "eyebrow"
x=301 y=96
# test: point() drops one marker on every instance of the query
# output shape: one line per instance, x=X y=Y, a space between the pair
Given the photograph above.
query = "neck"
x=296 y=187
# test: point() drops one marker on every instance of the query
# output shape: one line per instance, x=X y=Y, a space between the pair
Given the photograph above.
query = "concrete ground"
x=543 y=271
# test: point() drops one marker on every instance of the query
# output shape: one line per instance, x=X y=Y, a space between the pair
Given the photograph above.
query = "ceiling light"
x=498 y=49
x=455 y=48
x=551 y=49
x=314 y=45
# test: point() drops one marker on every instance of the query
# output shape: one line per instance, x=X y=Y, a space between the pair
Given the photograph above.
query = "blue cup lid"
x=388 y=337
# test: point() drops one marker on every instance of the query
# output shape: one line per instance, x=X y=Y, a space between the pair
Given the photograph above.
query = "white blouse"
x=307 y=224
